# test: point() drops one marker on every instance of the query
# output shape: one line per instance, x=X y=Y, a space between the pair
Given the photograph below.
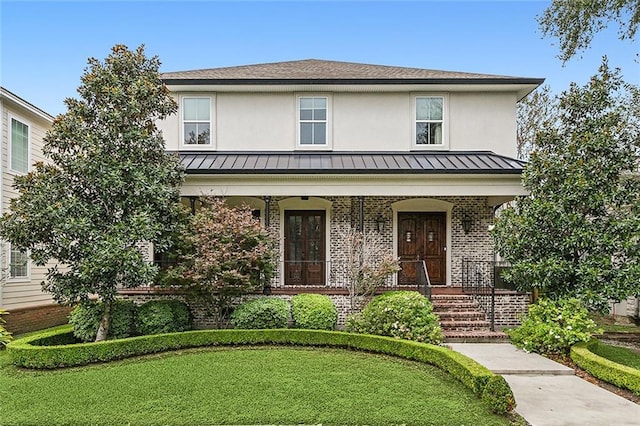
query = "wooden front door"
x=422 y=236
x=304 y=242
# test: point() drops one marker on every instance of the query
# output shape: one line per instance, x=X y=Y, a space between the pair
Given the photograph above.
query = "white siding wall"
x=359 y=122
x=20 y=293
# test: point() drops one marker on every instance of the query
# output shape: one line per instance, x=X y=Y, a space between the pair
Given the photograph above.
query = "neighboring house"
x=22 y=127
x=422 y=157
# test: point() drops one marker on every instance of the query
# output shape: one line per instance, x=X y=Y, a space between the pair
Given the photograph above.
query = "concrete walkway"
x=548 y=393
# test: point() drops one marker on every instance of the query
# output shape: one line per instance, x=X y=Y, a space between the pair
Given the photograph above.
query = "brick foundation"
x=509 y=308
x=31 y=319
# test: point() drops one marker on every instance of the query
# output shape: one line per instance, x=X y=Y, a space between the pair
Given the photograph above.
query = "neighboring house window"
x=19 y=147
x=429 y=120
x=196 y=121
x=18 y=264
x=313 y=121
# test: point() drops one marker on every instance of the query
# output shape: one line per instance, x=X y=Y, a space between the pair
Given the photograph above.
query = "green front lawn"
x=271 y=385
x=618 y=354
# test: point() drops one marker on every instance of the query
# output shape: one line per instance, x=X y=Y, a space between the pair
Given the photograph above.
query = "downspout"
x=361 y=213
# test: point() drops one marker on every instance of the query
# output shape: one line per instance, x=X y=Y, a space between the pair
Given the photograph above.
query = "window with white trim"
x=313 y=121
x=429 y=121
x=18 y=264
x=196 y=120
x=19 y=146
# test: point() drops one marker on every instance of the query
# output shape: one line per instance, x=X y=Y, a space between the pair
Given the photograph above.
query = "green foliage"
x=313 y=311
x=5 y=336
x=25 y=352
x=498 y=395
x=108 y=187
x=553 y=326
x=86 y=317
x=261 y=313
x=402 y=314
x=575 y=23
x=576 y=234
x=163 y=316
x=230 y=254
x=605 y=369
x=618 y=354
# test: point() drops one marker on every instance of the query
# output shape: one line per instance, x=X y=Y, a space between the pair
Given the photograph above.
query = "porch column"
x=267 y=216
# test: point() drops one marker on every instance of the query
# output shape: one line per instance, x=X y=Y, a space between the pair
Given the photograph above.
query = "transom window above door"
x=313 y=121
x=196 y=120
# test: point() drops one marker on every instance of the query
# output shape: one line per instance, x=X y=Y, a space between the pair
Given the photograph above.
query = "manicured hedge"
x=26 y=352
x=604 y=369
x=313 y=311
x=261 y=313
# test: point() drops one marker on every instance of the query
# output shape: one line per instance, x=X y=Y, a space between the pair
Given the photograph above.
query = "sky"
x=44 y=46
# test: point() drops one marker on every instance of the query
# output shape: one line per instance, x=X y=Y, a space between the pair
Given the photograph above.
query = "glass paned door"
x=304 y=247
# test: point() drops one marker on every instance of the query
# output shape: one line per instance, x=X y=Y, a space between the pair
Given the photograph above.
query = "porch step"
x=474 y=337
x=461 y=315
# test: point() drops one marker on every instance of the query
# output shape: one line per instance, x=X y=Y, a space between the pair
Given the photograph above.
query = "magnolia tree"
x=368 y=263
x=230 y=254
x=577 y=234
x=108 y=188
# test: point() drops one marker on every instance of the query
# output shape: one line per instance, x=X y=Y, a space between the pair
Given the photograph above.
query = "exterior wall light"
x=379 y=224
x=466 y=223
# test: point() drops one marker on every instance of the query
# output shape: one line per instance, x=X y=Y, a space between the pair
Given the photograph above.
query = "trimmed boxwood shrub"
x=403 y=314
x=498 y=395
x=163 y=316
x=604 y=369
x=24 y=353
x=313 y=311
x=261 y=313
x=86 y=317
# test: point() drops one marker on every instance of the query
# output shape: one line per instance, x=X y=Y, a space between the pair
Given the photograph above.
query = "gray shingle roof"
x=374 y=163
x=321 y=70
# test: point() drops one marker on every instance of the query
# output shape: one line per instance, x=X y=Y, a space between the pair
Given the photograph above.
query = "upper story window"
x=196 y=120
x=18 y=264
x=429 y=121
x=19 y=147
x=313 y=121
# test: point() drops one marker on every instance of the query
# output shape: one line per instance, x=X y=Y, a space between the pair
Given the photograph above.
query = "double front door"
x=422 y=237
x=304 y=253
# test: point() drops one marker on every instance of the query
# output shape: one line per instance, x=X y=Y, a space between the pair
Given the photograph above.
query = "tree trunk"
x=105 y=322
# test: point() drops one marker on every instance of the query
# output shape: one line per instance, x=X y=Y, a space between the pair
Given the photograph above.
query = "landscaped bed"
x=246 y=385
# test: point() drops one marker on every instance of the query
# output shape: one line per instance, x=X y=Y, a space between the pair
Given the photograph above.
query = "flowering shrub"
x=261 y=313
x=5 y=336
x=402 y=314
x=313 y=311
x=553 y=326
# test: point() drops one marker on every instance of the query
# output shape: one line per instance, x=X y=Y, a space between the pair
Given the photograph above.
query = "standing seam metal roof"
x=441 y=162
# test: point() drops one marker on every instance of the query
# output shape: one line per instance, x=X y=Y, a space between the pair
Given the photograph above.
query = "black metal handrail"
x=479 y=280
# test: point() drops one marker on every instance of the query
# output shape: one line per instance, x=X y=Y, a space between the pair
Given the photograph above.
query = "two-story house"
x=422 y=157
x=22 y=128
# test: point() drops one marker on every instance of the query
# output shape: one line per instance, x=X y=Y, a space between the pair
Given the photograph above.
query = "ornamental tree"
x=108 y=188
x=230 y=254
x=578 y=233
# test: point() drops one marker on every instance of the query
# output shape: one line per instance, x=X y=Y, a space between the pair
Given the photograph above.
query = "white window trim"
x=329 y=145
x=10 y=142
x=445 y=122
x=212 y=123
x=23 y=279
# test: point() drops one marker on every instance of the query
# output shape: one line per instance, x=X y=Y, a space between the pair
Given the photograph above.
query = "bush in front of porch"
x=313 y=311
x=403 y=314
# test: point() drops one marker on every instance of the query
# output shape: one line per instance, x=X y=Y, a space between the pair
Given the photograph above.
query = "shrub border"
x=26 y=352
x=605 y=369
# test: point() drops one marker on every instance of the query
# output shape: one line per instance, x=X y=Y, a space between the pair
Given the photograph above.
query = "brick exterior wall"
x=31 y=319
x=509 y=308
x=476 y=244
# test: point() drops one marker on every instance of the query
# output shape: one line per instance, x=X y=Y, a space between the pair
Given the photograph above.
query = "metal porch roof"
x=372 y=163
